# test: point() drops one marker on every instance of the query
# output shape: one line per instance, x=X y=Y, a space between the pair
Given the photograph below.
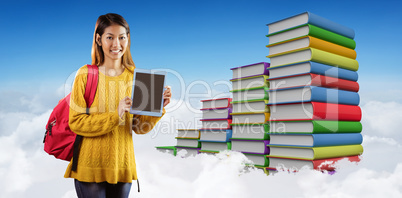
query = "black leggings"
x=102 y=190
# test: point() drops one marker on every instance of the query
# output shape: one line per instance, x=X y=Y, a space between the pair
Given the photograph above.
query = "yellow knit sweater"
x=107 y=152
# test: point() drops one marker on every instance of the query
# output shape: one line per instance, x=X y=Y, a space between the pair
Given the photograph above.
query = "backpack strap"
x=90 y=90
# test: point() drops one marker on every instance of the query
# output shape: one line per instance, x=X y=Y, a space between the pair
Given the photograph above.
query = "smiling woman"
x=105 y=165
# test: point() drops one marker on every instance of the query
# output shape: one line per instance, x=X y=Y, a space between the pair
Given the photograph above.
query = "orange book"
x=309 y=41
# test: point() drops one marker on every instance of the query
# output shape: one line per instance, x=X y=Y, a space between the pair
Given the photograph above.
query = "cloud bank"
x=27 y=171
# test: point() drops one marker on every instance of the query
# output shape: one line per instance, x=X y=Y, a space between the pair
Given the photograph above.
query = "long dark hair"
x=102 y=23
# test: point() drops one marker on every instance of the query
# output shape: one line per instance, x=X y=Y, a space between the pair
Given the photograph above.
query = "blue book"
x=312 y=67
x=315 y=140
x=313 y=19
x=312 y=94
x=215 y=135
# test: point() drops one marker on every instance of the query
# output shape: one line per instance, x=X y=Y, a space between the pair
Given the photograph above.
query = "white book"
x=292 y=164
x=250 y=94
x=215 y=146
x=250 y=70
x=251 y=82
x=185 y=142
x=216 y=135
x=294 y=81
x=250 y=131
x=290 y=58
x=216 y=103
x=216 y=124
x=216 y=113
x=250 y=146
x=287 y=35
x=289 y=46
x=291 y=127
x=249 y=118
x=260 y=160
x=188 y=133
x=250 y=106
x=299 y=111
x=300 y=68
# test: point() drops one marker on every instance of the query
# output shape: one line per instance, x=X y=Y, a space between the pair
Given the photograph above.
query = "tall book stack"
x=215 y=132
x=188 y=140
x=315 y=117
x=250 y=112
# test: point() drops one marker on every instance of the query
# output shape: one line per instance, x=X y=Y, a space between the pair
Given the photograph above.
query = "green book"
x=313 y=153
x=314 y=126
x=258 y=105
x=311 y=30
x=167 y=149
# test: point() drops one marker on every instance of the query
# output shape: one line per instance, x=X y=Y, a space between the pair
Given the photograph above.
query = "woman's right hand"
x=124 y=105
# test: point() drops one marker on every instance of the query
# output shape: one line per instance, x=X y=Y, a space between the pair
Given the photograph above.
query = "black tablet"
x=147 y=95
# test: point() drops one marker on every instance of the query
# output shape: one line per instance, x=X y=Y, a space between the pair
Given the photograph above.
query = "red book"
x=296 y=164
x=315 y=111
x=311 y=79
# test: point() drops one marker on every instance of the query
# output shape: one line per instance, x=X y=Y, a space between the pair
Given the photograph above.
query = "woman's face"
x=114 y=42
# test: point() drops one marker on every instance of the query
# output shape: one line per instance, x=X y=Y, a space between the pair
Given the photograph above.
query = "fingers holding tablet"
x=124 y=105
x=167 y=95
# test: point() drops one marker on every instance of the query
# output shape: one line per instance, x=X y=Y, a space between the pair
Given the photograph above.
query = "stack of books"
x=250 y=112
x=188 y=140
x=216 y=131
x=313 y=99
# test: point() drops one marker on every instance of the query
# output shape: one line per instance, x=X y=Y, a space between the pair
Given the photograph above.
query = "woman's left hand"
x=167 y=95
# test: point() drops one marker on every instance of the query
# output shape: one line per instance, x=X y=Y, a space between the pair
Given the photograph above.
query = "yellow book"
x=316 y=55
x=309 y=41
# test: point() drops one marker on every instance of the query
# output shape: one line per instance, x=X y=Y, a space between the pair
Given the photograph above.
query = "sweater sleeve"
x=143 y=124
x=88 y=125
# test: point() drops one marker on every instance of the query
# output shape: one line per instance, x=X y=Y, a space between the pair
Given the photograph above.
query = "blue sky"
x=44 y=42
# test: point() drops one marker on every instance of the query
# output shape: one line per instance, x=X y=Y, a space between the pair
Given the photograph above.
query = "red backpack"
x=59 y=140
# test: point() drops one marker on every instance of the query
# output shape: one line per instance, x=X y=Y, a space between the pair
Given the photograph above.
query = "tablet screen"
x=148 y=87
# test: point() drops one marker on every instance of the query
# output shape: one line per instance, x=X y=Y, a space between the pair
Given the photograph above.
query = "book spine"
x=228 y=135
x=337 y=151
x=331 y=82
x=332 y=48
x=331 y=37
x=336 y=72
x=333 y=59
x=266 y=71
x=326 y=95
x=330 y=25
x=337 y=139
x=323 y=126
x=329 y=111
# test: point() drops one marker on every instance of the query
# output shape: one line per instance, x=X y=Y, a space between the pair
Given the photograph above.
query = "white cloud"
x=26 y=170
x=382 y=118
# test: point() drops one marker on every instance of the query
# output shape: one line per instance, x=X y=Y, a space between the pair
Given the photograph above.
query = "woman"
x=106 y=164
